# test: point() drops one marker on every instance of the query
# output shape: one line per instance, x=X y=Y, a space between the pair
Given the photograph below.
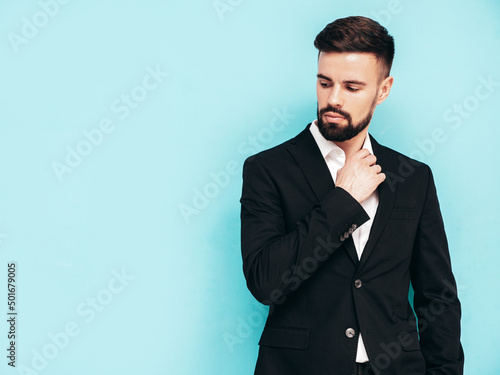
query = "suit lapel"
x=306 y=153
x=351 y=250
x=387 y=196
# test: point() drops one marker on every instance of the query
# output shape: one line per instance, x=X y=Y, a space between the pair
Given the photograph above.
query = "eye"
x=352 y=89
x=324 y=84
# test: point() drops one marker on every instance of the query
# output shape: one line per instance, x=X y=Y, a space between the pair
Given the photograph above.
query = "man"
x=336 y=226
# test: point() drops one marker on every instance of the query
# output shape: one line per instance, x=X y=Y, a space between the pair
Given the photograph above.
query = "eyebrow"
x=350 y=82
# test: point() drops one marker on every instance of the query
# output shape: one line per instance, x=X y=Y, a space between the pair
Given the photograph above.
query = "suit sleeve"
x=271 y=256
x=435 y=300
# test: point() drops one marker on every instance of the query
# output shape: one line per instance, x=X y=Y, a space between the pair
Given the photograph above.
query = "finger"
x=377 y=168
x=381 y=176
x=363 y=153
x=370 y=159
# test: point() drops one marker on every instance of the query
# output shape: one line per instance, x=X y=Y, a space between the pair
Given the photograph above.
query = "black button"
x=358 y=283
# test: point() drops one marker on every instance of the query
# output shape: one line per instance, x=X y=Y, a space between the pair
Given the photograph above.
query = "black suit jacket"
x=299 y=258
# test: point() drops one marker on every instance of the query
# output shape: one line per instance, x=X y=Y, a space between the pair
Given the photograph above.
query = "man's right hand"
x=360 y=176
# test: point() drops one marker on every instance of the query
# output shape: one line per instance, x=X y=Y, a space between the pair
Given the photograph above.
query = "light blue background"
x=187 y=309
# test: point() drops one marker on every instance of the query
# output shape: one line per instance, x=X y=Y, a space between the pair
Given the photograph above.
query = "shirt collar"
x=326 y=147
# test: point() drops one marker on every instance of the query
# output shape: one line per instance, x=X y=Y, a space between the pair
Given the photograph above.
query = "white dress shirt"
x=335 y=159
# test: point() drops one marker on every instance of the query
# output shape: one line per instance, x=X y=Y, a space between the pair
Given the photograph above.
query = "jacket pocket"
x=409 y=340
x=403 y=214
x=283 y=337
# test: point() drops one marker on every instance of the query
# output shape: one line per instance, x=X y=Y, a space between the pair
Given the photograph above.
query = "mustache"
x=335 y=110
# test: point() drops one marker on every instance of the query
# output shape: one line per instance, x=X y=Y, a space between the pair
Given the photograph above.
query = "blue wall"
x=124 y=128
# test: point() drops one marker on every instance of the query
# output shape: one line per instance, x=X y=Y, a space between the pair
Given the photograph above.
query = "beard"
x=339 y=133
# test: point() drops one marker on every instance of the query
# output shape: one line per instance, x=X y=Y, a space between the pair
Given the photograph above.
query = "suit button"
x=343 y=238
x=358 y=283
x=350 y=333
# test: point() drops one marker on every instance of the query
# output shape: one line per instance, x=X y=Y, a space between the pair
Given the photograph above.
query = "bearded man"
x=335 y=227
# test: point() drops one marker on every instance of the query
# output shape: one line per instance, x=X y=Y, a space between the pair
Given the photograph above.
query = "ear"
x=384 y=89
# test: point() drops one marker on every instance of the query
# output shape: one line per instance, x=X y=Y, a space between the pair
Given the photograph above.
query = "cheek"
x=322 y=97
x=318 y=93
x=363 y=106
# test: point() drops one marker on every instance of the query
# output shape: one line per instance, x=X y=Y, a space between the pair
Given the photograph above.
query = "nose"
x=335 y=99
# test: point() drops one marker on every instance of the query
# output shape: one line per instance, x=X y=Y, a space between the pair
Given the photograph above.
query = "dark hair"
x=357 y=34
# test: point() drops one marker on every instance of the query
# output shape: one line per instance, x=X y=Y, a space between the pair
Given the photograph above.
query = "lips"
x=334 y=117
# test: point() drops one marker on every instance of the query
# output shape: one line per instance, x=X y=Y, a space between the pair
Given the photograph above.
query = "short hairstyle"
x=357 y=34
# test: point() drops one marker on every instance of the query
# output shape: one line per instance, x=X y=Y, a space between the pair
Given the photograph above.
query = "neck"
x=353 y=145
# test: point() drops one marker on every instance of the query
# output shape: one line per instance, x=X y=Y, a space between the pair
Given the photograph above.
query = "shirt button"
x=350 y=333
x=358 y=283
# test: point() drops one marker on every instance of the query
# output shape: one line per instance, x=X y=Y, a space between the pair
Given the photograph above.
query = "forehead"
x=349 y=65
